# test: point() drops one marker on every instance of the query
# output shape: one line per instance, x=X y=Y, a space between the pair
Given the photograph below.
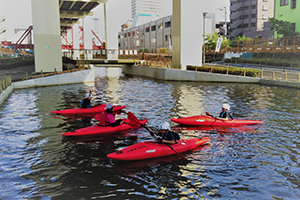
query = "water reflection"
x=240 y=162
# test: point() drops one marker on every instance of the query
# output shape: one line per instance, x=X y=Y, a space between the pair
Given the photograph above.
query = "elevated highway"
x=50 y=20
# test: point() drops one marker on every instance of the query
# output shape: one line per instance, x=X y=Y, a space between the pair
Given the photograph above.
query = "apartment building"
x=288 y=10
x=250 y=18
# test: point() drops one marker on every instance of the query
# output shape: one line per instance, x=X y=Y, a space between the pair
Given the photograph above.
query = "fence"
x=5 y=83
x=262 y=45
x=280 y=75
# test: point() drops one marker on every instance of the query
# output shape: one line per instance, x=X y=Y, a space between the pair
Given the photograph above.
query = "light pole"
x=203 y=60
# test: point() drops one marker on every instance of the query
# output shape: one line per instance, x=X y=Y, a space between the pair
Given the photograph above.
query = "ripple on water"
x=239 y=163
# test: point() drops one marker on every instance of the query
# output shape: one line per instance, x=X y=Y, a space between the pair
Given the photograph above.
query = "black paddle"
x=135 y=120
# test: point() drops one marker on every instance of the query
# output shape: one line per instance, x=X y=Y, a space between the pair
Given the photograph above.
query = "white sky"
x=18 y=15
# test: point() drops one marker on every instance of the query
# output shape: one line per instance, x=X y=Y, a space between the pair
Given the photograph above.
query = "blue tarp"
x=247 y=55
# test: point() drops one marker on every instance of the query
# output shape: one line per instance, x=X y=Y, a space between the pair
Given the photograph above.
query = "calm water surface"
x=261 y=161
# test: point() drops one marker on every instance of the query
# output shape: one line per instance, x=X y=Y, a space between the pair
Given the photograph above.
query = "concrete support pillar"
x=88 y=35
x=187 y=33
x=46 y=34
x=76 y=40
x=105 y=27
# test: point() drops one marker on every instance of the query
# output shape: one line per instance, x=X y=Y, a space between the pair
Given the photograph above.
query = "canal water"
x=261 y=161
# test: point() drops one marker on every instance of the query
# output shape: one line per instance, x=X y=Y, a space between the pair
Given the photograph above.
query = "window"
x=293 y=4
x=166 y=38
x=153 y=28
x=160 y=26
x=147 y=29
x=265 y=8
x=264 y=17
x=168 y=24
x=265 y=0
x=284 y=2
x=293 y=26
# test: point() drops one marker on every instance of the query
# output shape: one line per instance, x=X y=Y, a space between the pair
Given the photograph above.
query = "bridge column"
x=46 y=34
x=187 y=33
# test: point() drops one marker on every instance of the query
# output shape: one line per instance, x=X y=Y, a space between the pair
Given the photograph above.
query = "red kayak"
x=153 y=149
x=96 y=130
x=203 y=120
x=86 y=111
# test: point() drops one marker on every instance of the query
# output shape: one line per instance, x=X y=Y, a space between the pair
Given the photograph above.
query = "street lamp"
x=203 y=60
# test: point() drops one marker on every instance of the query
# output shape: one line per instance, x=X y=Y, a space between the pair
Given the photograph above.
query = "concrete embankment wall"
x=83 y=76
x=184 y=75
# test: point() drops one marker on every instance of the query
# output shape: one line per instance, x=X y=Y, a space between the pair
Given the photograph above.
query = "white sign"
x=218 y=46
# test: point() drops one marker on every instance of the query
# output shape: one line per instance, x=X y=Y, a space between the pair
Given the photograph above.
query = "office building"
x=143 y=11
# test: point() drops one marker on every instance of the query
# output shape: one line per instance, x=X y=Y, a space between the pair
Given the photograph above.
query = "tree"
x=284 y=28
x=212 y=40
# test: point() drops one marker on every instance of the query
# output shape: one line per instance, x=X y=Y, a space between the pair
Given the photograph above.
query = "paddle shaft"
x=133 y=118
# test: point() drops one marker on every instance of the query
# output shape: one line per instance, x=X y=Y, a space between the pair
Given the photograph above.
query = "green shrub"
x=223 y=70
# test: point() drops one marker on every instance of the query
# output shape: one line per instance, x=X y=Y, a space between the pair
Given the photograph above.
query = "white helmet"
x=226 y=106
x=165 y=126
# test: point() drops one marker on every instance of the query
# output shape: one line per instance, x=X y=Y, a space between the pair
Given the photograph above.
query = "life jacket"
x=101 y=118
x=175 y=135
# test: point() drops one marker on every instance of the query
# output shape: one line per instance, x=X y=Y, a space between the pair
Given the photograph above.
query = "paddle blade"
x=133 y=119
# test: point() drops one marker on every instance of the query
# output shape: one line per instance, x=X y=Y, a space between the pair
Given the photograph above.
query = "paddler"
x=167 y=136
x=225 y=114
x=86 y=103
x=107 y=118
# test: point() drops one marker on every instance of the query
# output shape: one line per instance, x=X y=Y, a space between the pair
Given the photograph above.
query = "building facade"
x=250 y=18
x=288 y=10
x=150 y=36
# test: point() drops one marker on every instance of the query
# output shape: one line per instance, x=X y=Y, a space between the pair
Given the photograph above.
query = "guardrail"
x=280 y=76
x=4 y=83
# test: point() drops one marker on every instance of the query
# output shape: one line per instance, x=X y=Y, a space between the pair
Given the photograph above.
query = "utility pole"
x=203 y=60
x=225 y=29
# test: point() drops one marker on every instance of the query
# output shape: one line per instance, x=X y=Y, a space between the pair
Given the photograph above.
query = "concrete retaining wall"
x=83 y=76
x=60 y=79
x=5 y=93
x=185 y=75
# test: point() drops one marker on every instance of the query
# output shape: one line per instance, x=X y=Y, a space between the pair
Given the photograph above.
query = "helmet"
x=165 y=126
x=226 y=106
x=108 y=106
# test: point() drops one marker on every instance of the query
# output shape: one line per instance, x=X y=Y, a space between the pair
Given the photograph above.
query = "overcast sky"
x=17 y=14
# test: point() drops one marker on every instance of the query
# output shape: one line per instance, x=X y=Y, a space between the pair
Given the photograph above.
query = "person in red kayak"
x=107 y=118
x=225 y=114
x=86 y=103
x=167 y=136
